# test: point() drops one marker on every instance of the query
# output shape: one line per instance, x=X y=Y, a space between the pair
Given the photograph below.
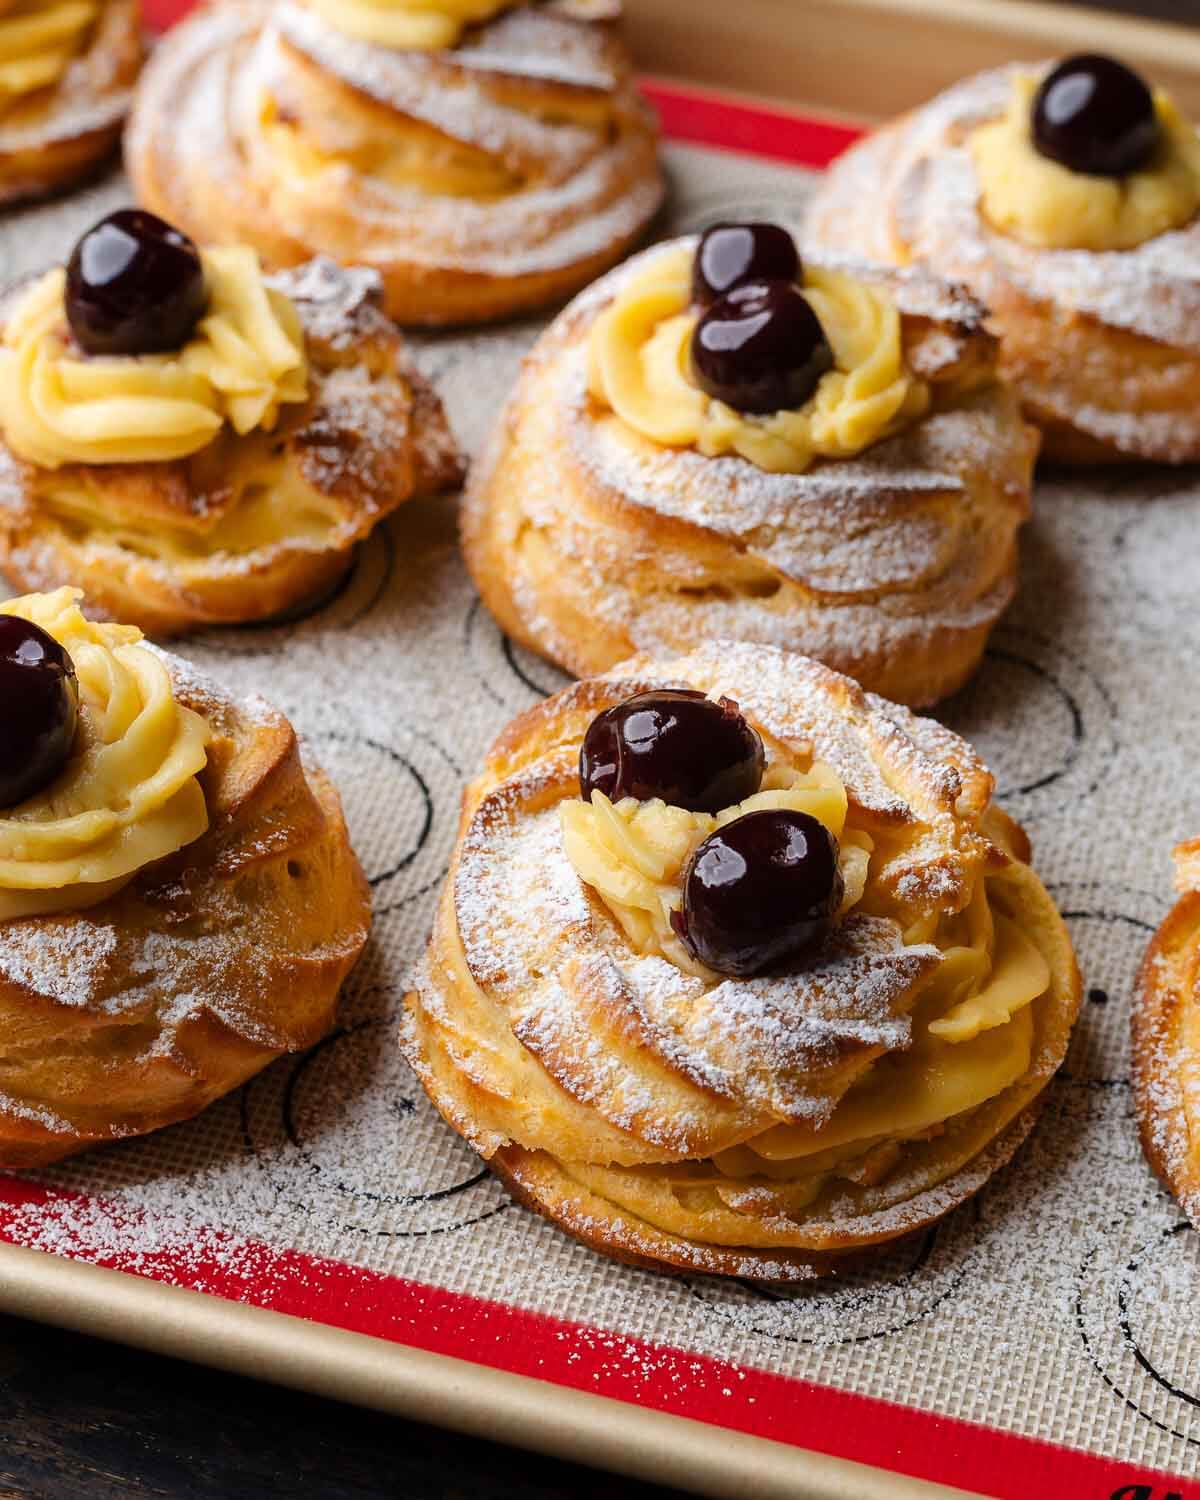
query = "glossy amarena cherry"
x=39 y=704
x=760 y=892
x=135 y=285
x=1095 y=115
x=675 y=744
x=761 y=349
x=729 y=255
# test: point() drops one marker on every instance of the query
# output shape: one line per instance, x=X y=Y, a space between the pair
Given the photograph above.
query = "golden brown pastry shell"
x=484 y=1046
x=139 y=1012
x=372 y=436
x=892 y=567
x=1165 y=1061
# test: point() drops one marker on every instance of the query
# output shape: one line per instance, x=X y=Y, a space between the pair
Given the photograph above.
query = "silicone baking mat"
x=1042 y=1340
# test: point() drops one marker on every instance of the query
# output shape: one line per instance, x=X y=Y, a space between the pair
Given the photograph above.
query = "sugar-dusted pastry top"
x=129 y=793
x=912 y=192
x=534 y=100
x=244 y=360
x=1045 y=204
x=864 y=561
x=496 y=175
x=944 y=349
x=776 y=1112
x=639 y=368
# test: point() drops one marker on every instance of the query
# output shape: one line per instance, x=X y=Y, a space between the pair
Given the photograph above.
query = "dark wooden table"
x=85 y=1420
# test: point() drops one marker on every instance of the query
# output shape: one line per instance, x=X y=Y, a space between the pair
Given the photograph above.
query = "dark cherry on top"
x=675 y=744
x=729 y=255
x=760 y=892
x=39 y=701
x=761 y=348
x=1095 y=115
x=135 y=285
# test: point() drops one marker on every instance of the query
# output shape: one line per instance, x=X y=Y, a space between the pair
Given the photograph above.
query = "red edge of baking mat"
x=603 y=1362
x=797 y=1412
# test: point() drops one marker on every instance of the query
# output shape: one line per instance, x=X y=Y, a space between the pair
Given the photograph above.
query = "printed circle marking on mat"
x=395 y=803
x=890 y=1289
x=1134 y=1312
x=1159 y=554
x=346 y=1132
x=1110 y=925
x=510 y=676
x=1041 y=719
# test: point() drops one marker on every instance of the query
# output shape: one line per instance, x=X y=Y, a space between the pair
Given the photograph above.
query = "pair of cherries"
x=758 y=892
x=758 y=346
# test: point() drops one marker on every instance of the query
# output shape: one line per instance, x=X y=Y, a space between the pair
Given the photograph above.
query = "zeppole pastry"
x=179 y=902
x=739 y=967
x=1166 y=1041
x=195 y=443
x=1066 y=198
x=67 y=69
x=485 y=158
x=717 y=441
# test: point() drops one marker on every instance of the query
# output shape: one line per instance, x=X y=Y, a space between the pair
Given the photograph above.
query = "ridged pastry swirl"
x=141 y=1010
x=589 y=541
x=1166 y=1040
x=253 y=524
x=1102 y=347
x=67 y=68
x=480 y=180
x=754 y=1127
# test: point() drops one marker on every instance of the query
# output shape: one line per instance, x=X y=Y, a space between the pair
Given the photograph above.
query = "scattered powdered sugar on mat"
x=1060 y=1303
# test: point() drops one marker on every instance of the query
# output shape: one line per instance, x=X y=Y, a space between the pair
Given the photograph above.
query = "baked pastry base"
x=139 y=1012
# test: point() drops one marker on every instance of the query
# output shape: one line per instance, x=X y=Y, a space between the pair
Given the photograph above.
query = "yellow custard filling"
x=639 y=369
x=972 y=1022
x=400 y=152
x=129 y=793
x=272 y=505
x=417 y=25
x=245 y=360
x=1042 y=203
x=38 y=42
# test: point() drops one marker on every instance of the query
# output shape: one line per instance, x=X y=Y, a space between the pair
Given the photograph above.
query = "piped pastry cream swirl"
x=639 y=368
x=418 y=25
x=1045 y=204
x=129 y=794
x=38 y=40
x=245 y=359
x=633 y=853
